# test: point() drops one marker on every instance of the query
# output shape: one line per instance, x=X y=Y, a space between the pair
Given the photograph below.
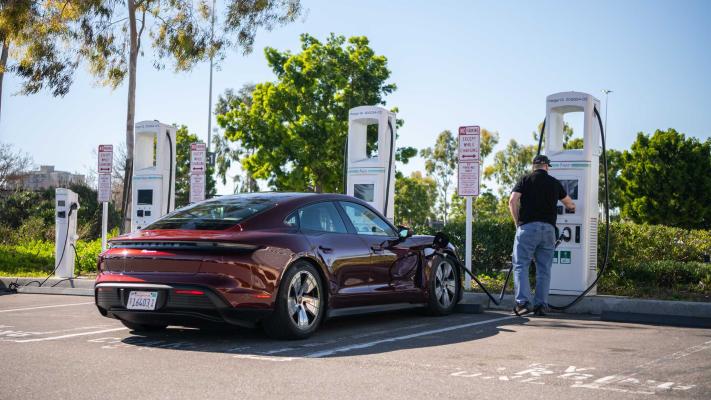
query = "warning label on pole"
x=469 y=140
x=198 y=166
x=104 y=188
x=106 y=158
x=468 y=182
x=197 y=187
x=105 y=166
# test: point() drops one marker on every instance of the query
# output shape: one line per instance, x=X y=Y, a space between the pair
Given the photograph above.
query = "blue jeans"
x=534 y=240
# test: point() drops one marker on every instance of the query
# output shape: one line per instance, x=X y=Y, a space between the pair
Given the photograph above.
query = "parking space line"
x=326 y=353
x=52 y=306
x=71 y=335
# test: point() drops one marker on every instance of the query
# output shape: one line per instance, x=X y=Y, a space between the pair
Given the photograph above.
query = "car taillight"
x=190 y=292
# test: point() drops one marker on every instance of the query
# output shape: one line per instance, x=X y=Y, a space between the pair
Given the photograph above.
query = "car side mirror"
x=404 y=232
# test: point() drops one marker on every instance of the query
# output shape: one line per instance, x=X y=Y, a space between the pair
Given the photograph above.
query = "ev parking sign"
x=468 y=171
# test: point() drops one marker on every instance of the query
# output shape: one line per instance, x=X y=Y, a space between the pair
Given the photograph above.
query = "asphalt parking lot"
x=60 y=347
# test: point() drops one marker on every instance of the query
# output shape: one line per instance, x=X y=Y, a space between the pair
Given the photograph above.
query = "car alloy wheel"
x=304 y=300
x=445 y=284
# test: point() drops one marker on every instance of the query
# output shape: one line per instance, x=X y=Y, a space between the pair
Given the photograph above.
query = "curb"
x=598 y=304
x=72 y=286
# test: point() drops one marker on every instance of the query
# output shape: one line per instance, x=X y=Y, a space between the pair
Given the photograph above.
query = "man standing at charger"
x=533 y=208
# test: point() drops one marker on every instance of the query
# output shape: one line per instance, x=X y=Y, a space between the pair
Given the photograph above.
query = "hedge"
x=36 y=257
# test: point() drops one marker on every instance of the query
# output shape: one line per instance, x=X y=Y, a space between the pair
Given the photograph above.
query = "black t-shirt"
x=540 y=193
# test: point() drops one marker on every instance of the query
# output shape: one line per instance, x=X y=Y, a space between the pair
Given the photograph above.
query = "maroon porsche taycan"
x=285 y=261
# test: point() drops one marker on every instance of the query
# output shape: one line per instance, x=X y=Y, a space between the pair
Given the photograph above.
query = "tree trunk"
x=3 y=64
x=130 y=115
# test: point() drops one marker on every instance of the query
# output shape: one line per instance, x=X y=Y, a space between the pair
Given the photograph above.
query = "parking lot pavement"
x=60 y=347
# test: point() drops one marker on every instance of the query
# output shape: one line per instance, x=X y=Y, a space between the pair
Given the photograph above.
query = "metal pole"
x=209 y=107
x=607 y=92
x=104 y=223
x=468 y=244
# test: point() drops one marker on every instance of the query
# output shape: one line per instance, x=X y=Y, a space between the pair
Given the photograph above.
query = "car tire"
x=143 y=327
x=444 y=286
x=300 y=304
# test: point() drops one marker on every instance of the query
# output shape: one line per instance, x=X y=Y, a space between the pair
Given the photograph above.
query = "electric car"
x=285 y=261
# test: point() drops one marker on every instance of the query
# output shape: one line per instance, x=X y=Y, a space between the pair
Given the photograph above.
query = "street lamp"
x=607 y=92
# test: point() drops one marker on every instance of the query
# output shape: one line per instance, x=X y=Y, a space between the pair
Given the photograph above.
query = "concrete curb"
x=75 y=286
x=596 y=305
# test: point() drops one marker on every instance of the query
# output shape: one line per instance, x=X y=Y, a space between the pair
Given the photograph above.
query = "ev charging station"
x=575 y=259
x=153 y=187
x=65 y=237
x=372 y=178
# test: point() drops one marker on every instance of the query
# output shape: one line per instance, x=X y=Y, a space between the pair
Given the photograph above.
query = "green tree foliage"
x=615 y=183
x=414 y=199
x=182 y=168
x=441 y=163
x=667 y=180
x=226 y=151
x=509 y=165
x=294 y=132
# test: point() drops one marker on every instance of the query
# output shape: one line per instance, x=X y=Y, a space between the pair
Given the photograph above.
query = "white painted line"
x=263 y=358
x=71 y=335
x=326 y=353
x=53 y=306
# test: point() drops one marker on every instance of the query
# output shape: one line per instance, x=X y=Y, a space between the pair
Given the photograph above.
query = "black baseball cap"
x=541 y=159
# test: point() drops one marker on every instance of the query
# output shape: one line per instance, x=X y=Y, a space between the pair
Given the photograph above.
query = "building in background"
x=47 y=177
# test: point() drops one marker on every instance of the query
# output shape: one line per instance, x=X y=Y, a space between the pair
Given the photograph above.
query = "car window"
x=365 y=221
x=321 y=217
x=291 y=220
x=216 y=214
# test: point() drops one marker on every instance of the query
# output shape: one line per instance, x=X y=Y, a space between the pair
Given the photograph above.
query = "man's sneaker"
x=522 y=309
x=539 y=310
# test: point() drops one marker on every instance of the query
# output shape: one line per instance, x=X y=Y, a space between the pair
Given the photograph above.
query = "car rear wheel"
x=444 y=286
x=300 y=304
x=143 y=327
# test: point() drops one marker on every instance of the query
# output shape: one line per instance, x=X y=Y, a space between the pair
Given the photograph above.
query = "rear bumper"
x=177 y=304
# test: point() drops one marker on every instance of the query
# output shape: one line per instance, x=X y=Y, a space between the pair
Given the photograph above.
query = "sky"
x=454 y=62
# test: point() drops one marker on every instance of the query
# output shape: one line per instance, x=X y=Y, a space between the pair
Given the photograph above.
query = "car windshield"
x=216 y=214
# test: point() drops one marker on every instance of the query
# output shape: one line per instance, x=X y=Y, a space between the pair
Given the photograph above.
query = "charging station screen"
x=571 y=186
x=145 y=196
x=364 y=191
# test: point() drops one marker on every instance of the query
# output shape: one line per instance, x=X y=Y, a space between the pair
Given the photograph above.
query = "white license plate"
x=142 y=300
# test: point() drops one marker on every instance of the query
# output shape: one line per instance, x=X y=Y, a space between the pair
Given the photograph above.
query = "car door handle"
x=325 y=249
x=377 y=249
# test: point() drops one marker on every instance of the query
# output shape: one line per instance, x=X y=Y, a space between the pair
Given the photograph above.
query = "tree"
x=12 y=164
x=667 y=180
x=110 y=40
x=294 y=132
x=227 y=152
x=441 y=163
x=615 y=163
x=509 y=165
x=34 y=34
x=183 y=139
x=414 y=199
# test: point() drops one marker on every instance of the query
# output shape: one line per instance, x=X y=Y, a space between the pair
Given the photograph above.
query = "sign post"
x=198 y=158
x=468 y=184
x=105 y=166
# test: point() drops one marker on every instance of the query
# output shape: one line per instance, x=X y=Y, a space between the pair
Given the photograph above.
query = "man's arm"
x=514 y=206
x=568 y=203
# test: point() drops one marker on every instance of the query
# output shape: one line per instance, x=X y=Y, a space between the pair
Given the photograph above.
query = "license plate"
x=142 y=300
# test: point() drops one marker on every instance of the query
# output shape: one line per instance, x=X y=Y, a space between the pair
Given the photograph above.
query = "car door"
x=393 y=266
x=345 y=255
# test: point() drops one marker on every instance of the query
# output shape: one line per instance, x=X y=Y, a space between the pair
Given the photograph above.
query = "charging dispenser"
x=153 y=185
x=65 y=231
x=371 y=172
x=575 y=258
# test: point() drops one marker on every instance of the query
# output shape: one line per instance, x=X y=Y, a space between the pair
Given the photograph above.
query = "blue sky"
x=455 y=63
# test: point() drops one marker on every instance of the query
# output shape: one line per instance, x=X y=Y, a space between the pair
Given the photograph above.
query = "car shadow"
x=337 y=337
